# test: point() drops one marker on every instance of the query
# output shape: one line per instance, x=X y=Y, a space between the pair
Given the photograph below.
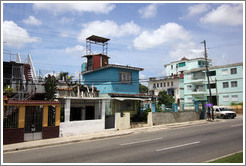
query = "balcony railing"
x=199 y=90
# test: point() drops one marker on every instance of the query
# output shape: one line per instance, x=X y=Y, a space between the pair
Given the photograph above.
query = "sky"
x=142 y=34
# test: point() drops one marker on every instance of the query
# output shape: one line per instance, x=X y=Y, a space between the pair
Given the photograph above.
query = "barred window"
x=234 y=84
x=125 y=77
x=225 y=85
x=233 y=70
x=11 y=115
x=51 y=115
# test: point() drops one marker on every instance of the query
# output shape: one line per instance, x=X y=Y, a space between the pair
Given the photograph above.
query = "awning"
x=124 y=98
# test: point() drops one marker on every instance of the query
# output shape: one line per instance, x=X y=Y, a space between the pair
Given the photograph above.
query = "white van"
x=223 y=112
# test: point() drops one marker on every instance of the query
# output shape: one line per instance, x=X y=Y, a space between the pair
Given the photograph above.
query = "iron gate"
x=33 y=123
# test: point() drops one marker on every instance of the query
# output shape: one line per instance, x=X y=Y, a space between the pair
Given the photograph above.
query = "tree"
x=143 y=88
x=64 y=76
x=164 y=98
x=50 y=87
x=8 y=91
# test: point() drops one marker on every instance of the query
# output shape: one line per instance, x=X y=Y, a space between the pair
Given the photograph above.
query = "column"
x=67 y=110
x=45 y=116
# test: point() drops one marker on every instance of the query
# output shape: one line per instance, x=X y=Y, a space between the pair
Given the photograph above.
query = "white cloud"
x=31 y=20
x=148 y=11
x=77 y=50
x=198 y=9
x=226 y=14
x=64 y=34
x=58 y=8
x=15 y=36
x=107 y=29
x=186 y=49
x=66 y=20
x=166 y=33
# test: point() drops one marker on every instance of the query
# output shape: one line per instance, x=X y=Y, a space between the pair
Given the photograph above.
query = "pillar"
x=45 y=116
x=58 y=115
x=67 y=110
x=21 y=122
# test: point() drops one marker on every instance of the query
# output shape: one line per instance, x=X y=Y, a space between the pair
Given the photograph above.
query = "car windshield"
x=224 y=109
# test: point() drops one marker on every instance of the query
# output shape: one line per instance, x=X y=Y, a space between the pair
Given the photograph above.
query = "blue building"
x=117 y=83
x=113 y=79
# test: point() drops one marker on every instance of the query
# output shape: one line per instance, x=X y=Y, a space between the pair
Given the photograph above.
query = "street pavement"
x=99 y=135
x=189 y=142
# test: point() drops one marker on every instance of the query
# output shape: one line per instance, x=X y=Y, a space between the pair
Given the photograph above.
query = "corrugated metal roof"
x=97 y=39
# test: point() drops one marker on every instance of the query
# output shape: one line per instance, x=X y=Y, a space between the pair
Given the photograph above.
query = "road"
x=193 y=144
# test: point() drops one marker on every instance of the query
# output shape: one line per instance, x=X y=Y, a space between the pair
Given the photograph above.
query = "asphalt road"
x=193 y=144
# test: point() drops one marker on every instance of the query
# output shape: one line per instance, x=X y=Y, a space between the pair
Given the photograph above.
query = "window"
x=225 y=85
x=212 y=86
x=189 y=87
x=189 y=99
x=125 y=77
x=234 y=97
x=224 y=72
x=157 y=85
x=10 y=117
x=51 y=115
x=171 y=66
x=226 y=98
x=171 y=83
x=234 y=71
x=234 y=84
x=212 y=73
x=164 y=84
x=176 y=65
x=167 y=84
x=182 y=64
x=161 y=84
x=154 y=86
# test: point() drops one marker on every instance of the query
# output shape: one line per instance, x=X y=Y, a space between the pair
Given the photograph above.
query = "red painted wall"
x=96 y=62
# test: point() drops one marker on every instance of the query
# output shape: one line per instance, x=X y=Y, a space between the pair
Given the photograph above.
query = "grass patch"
x=235 y=158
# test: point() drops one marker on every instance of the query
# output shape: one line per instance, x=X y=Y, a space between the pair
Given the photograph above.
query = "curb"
x=65 y=142
x=47 y=143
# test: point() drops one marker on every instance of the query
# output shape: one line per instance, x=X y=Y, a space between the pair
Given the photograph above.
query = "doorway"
x=33 y=123
x=89 y=113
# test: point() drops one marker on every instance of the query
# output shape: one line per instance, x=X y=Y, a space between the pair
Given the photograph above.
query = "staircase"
x=27 y=72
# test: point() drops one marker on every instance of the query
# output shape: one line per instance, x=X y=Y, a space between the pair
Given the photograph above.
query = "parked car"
x=223 y=112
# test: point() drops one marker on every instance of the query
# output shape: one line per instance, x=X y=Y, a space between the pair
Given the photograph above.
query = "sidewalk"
x=99 y=135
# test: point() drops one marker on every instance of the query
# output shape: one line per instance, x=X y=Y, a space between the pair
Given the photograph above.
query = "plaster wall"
x=173 y=117
x=122 y=123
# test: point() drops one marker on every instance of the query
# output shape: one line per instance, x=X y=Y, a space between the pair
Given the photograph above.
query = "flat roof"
x=96 y=55
x=214 y=67
x=114 y=66
x=183 y=60
x=97 y=39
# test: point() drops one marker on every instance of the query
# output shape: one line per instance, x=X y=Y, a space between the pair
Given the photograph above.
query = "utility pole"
x=207 y=72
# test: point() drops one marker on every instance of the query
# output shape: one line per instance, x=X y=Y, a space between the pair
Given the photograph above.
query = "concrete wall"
x=81 y=127
x=122 y=123
x=68 y=128
x=173 y=117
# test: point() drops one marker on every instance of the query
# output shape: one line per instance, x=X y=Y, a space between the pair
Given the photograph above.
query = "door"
x=90 y=113
x=33 y=123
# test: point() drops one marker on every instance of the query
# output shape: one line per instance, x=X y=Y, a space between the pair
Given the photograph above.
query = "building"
x=118 y=83
x=174 y=79
x=177 y=68
x=30 y=120
x=226 y=83
x=26 y=116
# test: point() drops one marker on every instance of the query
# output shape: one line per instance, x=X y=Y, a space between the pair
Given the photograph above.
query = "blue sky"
x=146 y=35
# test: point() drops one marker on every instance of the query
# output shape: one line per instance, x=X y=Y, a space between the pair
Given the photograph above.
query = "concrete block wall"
x=122 y=123
x=173 y=117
